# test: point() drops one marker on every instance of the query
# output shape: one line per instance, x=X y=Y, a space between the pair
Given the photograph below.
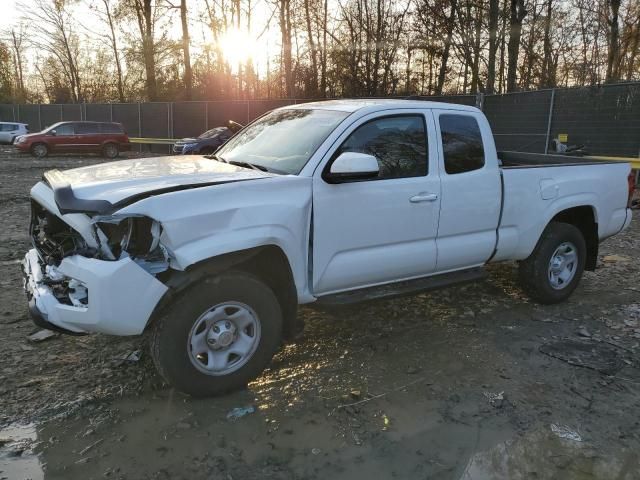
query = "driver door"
x=381 y=230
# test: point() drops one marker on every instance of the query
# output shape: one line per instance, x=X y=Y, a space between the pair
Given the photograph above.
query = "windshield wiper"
x=238 y=163
x=254 y=166
x=213 y=156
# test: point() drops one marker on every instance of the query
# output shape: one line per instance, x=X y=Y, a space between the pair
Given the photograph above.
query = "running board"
x=406 y=287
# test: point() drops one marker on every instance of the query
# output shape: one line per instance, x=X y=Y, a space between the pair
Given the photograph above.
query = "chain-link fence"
x=605 y=119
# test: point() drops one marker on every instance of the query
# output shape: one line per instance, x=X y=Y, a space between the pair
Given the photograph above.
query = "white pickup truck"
x=329 y=202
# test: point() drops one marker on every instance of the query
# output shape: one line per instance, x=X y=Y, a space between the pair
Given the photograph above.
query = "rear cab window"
x=462 y=146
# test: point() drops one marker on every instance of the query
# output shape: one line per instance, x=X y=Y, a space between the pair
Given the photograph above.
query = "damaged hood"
x=105 y=187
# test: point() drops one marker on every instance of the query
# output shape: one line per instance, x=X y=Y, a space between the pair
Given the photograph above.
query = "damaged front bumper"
x=121 y=295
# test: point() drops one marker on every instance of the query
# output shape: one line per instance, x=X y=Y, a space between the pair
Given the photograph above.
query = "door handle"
x=424 y=197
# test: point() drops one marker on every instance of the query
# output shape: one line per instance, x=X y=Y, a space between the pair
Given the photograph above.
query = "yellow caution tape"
x=635 y=162
x=158 y=141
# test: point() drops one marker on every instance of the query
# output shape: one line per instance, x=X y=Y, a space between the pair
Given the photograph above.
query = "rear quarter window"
x=111 y=128
x=462 y=145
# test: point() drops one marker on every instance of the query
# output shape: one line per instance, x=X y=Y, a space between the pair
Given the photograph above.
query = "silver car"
x=9 y=131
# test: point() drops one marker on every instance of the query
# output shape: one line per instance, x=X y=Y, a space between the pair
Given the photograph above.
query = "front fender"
x=194 y=252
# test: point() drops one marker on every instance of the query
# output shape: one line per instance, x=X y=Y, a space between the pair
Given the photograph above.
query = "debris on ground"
x=132 y=357
x=565 y=432
x=615 y=258
x=597 y=356
x=495 y=399
x=240 y=412
x=41 y=336
x=90 y=447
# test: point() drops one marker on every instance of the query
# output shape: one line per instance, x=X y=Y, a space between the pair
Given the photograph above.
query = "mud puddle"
x=17 y=457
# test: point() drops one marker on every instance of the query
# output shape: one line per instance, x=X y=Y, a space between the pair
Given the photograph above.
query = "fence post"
x=139 y=126
x=40 y=117
x=14 y=112
x=111 y=112
x=206 y=116
x=551 y=105
x=480 y=100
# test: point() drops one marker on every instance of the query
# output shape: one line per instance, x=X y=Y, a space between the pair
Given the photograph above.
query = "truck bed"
x=510 y=159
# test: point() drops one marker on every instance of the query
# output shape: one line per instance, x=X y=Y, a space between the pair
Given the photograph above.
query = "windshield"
x=212 y=132
x=52 y=127
x=284 y=140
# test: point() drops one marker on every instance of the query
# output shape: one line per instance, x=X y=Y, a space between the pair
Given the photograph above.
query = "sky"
x=236 y=44
x=8 y=13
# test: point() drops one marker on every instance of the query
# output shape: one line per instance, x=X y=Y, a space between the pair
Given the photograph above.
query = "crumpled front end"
x=97 y=274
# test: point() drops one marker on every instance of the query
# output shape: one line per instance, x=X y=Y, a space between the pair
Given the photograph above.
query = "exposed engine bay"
x=113 y=238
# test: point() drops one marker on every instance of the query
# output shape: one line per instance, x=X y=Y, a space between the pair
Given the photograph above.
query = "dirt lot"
x=471 y=382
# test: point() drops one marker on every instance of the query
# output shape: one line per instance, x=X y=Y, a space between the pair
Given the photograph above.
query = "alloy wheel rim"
x=563 y=265
x=224 y=338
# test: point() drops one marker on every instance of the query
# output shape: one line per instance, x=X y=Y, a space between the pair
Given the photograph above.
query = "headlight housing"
x=133 y=236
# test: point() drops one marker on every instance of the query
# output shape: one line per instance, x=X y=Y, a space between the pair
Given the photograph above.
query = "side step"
x=406 y=287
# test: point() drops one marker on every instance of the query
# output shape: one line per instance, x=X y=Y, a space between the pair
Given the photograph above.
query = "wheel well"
x=269 y=263
x=584 y=219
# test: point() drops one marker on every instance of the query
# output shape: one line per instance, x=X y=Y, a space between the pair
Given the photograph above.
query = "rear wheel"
x=39 y=150
x=110 y=150
x=552 y=272
x=218 y=335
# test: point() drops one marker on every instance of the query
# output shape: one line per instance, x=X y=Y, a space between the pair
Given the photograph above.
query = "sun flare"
x=238 y=46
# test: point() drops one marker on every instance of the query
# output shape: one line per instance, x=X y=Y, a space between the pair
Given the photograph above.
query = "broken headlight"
x=137 y=237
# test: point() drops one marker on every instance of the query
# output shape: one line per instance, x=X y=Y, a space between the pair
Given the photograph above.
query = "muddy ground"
x=471 y=382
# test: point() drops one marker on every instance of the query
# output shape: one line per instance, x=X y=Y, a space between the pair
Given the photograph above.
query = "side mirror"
x=350 y=166
x=53 y=132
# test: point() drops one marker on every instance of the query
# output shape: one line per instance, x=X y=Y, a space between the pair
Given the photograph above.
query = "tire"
x=188 y=317
x=39 y=150
x=110 y=150
x=549 y=275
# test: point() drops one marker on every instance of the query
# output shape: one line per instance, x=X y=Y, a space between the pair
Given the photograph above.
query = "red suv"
x=107 y=138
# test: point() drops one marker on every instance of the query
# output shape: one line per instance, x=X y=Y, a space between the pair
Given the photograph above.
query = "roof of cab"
x=375 y=104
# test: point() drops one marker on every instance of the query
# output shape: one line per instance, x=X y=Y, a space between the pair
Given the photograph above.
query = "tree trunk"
x=323 y=84
x=144 y=14
x=613 y=37
x=494 y=13
x=447 y=46
x=188 y=76
x=517 y=14
x=285 y=31
x=548 y=72
x=312 y=52
x=116 y=51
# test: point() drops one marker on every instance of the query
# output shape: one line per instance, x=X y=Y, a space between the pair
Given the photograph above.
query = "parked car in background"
x=208 y=142
x=107 y=138
x=9 y=131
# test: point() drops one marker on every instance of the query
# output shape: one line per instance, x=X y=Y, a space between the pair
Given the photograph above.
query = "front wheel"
x=39 y=150
x=110 y=150
x=218 y=335
x=552 y=272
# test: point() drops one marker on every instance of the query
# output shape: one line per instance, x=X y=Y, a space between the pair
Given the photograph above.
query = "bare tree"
x=517 y=14
x=53 y=32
